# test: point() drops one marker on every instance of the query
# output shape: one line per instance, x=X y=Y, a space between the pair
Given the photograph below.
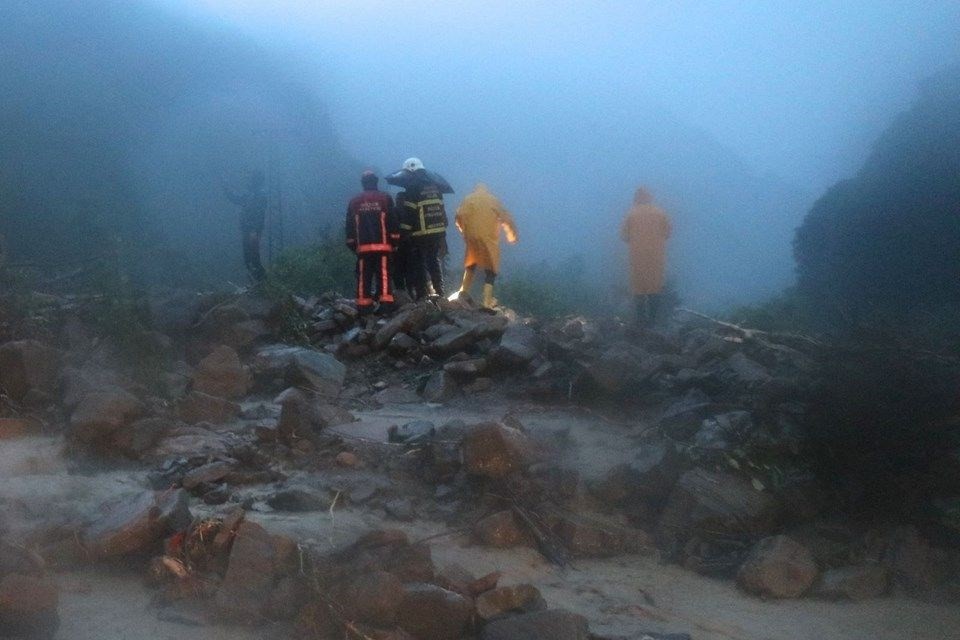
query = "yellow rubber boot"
x=467 y=281
x=489 y=302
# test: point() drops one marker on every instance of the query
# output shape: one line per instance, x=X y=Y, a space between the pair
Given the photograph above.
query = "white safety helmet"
x=413 y=164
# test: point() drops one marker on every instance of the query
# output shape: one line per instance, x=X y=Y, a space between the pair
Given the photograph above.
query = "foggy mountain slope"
x=120 y=118
x=882 y=246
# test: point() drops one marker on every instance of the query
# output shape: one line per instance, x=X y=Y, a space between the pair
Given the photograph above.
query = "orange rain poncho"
x=646 y=229
x=479 y=219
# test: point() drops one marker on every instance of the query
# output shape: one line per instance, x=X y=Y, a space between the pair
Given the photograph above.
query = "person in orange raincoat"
x=646 y=229
x=479 y=219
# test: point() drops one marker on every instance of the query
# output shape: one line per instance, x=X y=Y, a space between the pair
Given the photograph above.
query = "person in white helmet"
x=423 y=225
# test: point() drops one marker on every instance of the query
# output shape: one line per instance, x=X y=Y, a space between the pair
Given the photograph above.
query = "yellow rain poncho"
x=646 y=229
x=479 y=219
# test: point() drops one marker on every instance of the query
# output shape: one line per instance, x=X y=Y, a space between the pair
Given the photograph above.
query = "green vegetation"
x=788 y=312
x=327 y=266
x=550 y=290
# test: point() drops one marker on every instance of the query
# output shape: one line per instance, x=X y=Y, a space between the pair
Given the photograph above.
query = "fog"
x=736 y=115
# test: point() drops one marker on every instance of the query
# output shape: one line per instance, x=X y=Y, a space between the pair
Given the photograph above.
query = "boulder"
x=201 y=407
x=397 y=395
x=408 y=321
x=641 y=486
x=258 y=562
x=854 y=583
x=373 y=598
x=518 y=346
x=501 y=530
x=707 y=504
x=28 y=366
x=245 y=333
x=402 y=344
x=299 y=366
x=522 y=598
x=453 y=341
x=554 y=624
x=916 y=566
x=136 y=525
x=205 y=474
x=683 y=418
x=493 y=450
x=429 y=612
x=28 y=607
x=440 y=387
x=296 y=500
x=778 y=567
x=11 y=428
x=592 y=537
x=101 y=413
x=466 y=369
x=303 y=415
x=140 y=436
x=390 y=551
x=222 y=374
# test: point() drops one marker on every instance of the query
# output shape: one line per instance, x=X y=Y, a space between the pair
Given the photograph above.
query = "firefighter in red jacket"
x=372 y=233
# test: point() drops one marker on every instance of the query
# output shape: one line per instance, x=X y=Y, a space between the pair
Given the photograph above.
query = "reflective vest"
x=423 y=213
x=371 y=223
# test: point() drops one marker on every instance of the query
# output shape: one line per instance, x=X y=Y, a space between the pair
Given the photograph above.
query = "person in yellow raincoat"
x=479 y=219
x=646 y=229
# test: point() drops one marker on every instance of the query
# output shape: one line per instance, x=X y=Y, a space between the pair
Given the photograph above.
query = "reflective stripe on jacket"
x=422 y=211
x=371 y=224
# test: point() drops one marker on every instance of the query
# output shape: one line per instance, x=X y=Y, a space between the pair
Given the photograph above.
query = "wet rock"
x=745 y=371
x=205 y=474
x=595 y=538
x=348 y=460
x=258 y=561
x=100 y=413
x=724 y=431
x=400 y=509
x=854 y=583
x=390 y=551
x=614 y=370
x=440 y=387
x=522 y=598
x=538 y=625
x=480 y=385
x=201 y=407
x=408 y=321
x=222 y=374
x=28 y=607
x=216 y=322
x=302 y=415
x=518 y=346
x=778 y=567
x=397 y=395
x=296 y=500
x=706 y=504
x=245 y=333
x=453 y=341
x=28 y=366
x=642 y=486
x=11 y=428
x=493 y=450
x=466 y=369
x=416 y=432
x=299 y=366
x=141 y=436
x=374 y=598
x=137 y=524
x=402 y=344
x=429 y=612
x=684 y=417
x=916 y=566
x=501 y=530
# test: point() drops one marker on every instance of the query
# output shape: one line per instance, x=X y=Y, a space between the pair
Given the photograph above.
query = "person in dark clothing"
x=372 y=232
x=253 y=210
x=423 y=221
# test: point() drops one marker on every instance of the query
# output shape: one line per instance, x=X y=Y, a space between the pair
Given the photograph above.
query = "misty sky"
x=799 y=89
x=738 y=114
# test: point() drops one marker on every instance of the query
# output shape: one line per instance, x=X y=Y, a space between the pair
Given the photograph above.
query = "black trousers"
x=373 y=273
x=251 y=255
x=426 y=264
x=400 y=269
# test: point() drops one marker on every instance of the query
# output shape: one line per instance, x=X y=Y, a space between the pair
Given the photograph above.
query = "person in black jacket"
x=253 y=210
x=423 y=222
x=372 y=233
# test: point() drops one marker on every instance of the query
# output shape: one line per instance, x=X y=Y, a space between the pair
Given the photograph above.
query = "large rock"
x=501 y=530
x=299 y=366
x=493 y=450
x=101 y=413
x=373 y=598
x=778 y=567
x=407 y=321
x=429 y=612
x=708 y=505
x=141 y=436
x=522 y=598
x=26 y=366
x=136 y=525
x=916 y=565
x=222 y=374
x=453 y=341
x=518 y=346
x=202 y=407
x=854 y=583
x=539 y=625
x=641 y=487
x=683 y=418
x=28 y=607
x=303 y=415
x=258 y=562
x=440 y=387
